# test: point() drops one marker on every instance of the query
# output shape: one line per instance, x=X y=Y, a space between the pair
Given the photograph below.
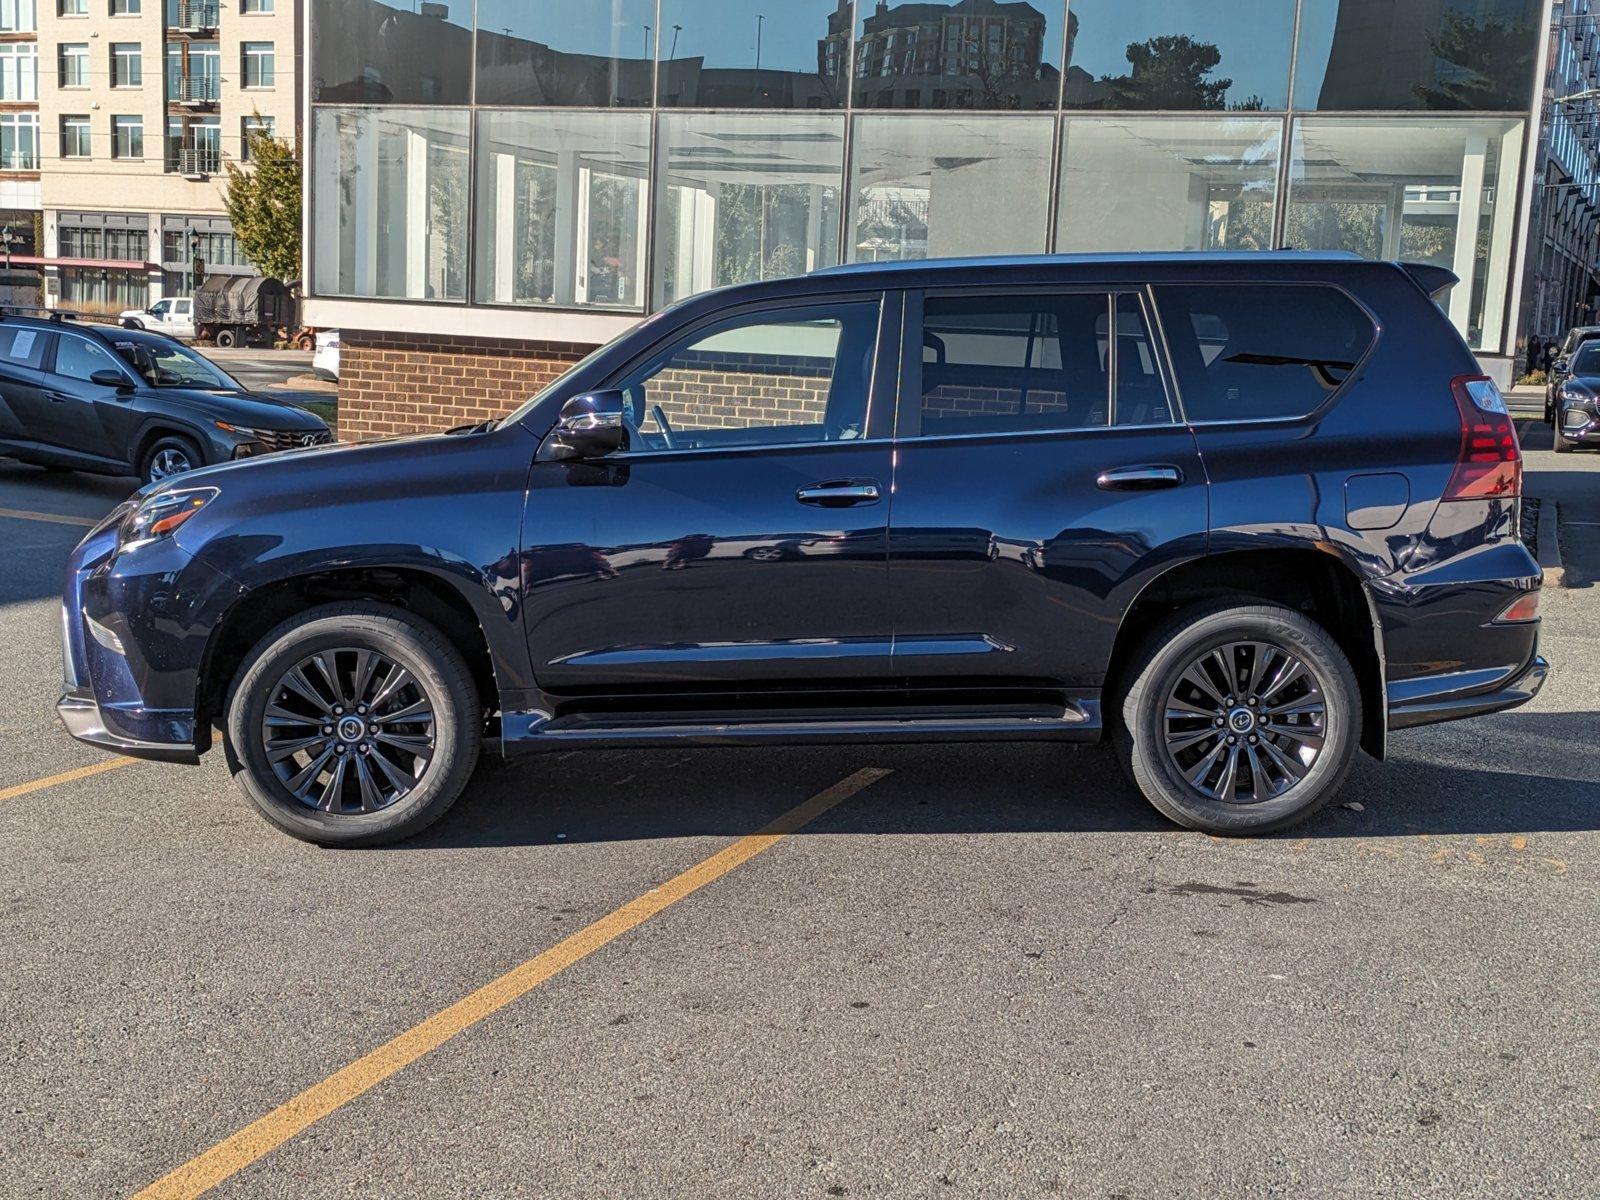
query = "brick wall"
x=393 y=383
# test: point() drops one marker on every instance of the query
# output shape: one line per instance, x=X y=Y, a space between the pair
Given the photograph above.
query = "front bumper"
x=134 y=631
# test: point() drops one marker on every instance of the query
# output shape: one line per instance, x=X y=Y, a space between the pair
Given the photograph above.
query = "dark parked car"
x=1573 y=409
x=128 y=402
x=1242 y=514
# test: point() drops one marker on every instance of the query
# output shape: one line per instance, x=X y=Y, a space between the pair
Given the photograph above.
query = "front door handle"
x=58 y=397
x=841 y=493
x=1139 y=479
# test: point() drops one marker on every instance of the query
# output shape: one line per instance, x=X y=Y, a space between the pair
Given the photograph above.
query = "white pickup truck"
x=173 y=316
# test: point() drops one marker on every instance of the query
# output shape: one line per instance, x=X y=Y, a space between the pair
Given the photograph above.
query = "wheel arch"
x=1315 y=581
x=157 y=428
x=430 y=596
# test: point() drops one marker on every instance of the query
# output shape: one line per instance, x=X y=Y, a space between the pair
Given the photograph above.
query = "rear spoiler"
x=1436 y=281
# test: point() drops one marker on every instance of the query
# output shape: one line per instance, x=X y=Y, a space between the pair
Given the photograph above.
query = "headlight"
x=243 y=431
x=161 y=515
x=1575 y=391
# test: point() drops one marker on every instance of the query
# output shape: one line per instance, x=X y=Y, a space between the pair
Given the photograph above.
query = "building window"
x=396 y=182
x=19 y=71
x=257 y=6
x=73 y=64
x=72 y=8
x=250 y=127
x=744 y=196
x=259 y=64
x=1183 y=54
x=367 y=53
x=127 y=64
x=194 y=71
x=194 y=145
x=75 y=137
x=126 y=8
x=1434 y=190
x=561 y=201
x=544 y=54
x=96 y=288
x=19 y=16
x=19 y=141
x=1163 y=183
x=127 y=137
x=925 y=187
x=1460 y=55
x=908 y=49
x=213 y=248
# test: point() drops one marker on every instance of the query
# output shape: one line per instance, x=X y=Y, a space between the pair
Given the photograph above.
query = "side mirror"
x=111 y=379
x=590 y=426
x=1561 y=366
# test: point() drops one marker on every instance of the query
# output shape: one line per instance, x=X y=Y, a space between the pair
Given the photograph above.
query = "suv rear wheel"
x=1241 y=719
x=354 y=725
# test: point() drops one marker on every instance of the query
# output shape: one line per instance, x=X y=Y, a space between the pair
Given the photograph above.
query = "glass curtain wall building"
x=567 y=158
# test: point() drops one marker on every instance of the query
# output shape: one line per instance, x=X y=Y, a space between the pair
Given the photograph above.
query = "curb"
x=1548 y=540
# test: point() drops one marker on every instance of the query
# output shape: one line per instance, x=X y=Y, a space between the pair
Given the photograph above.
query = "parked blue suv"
x=1241 y=514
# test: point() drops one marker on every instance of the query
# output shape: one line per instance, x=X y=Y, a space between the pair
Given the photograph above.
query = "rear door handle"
x=1139 y=479
x=841 y=493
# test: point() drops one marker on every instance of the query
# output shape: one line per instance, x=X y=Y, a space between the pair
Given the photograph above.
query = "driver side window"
x=773 y=378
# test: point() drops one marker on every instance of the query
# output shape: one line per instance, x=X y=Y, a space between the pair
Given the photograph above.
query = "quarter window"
x=1254 y=353
x=799 y=375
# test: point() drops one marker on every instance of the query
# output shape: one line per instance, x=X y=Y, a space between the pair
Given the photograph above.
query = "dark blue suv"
x=1241 y=514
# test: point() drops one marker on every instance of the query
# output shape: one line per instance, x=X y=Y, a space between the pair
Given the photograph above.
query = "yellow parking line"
x=199 y=1175
x=38 y=785
x=23 y=514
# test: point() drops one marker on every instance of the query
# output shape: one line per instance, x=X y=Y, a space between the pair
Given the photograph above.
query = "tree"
x=1487 y=64
x=1168 y=72
x=263 y=202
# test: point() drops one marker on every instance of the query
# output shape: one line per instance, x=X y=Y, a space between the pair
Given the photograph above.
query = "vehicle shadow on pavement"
x=637 y=795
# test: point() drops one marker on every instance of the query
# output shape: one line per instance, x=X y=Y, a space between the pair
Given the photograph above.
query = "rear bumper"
x=1450 y=698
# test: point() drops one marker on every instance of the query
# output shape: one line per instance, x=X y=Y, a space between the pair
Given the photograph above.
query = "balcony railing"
x=197 y=89
x=197 y=14
x=195 y=160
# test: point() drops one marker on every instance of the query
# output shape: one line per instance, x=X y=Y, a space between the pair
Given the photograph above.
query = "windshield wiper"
x=480 y=427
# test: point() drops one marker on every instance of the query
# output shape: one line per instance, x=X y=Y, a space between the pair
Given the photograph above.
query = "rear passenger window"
x=1256 y=352
x=1004 y=364
x=21 y=347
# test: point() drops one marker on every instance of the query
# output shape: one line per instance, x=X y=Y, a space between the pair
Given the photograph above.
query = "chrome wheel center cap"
x=1241 y=720
x=351 y=729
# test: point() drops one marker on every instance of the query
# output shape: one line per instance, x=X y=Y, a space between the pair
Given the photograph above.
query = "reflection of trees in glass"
x=1172 y=71
x=762 y=230
x=535 y=233
x=447 y=215
x=613 y=228
x=891 y=224
x=1486 y=64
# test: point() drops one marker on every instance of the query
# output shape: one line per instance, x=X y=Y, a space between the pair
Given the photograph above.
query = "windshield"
x=167 y=364
x=1587 y=360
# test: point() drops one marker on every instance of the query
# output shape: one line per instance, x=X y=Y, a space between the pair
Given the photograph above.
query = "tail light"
x=1523 y=608
x=1489 y=463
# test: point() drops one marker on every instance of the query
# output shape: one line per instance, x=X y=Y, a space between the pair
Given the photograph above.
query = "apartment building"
x=116 y=120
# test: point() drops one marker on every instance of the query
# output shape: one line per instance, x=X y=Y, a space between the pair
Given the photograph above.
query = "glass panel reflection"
x=391 y=212
x=1436 y=191
x=556 y=52
x=1162 y=183
x=391 y=52
x=926 y=187
x=741 y=54
x=1179 y=54
x=561 y=205
x=743 y=197
x=959 y=54
x=1441 y=55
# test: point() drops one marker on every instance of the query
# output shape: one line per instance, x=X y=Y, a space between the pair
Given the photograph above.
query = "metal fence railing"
x=197 y=14
x=195 y=160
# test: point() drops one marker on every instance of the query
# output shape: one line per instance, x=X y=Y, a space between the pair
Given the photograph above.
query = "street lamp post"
x=760 y=21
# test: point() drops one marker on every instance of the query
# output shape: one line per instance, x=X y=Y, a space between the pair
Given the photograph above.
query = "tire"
x=168 y=455
x=1158 y=685
x=305 y=342
x=1558 y=443
x=345 y=812
x=227 y=339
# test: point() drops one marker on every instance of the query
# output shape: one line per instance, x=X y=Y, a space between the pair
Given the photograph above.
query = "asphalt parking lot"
x=978 y=970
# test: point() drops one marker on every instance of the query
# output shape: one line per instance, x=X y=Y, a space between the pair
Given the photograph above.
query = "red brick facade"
x=392 y=383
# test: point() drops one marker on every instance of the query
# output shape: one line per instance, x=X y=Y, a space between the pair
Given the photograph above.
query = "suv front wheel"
x=354 y=725
x=1240 y=719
